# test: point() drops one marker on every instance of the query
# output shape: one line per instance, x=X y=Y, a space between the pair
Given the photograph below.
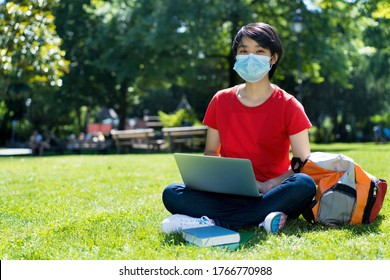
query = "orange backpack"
x=346 y=194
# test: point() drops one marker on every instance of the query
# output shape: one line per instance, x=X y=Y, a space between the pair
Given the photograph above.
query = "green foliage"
x=111 y=209
x=383 y=119
x=3 y=109
x=30 y=48
x=179 y=118
x=323 y=133
x=382 y=10
x=30 y=57
x=119 y=53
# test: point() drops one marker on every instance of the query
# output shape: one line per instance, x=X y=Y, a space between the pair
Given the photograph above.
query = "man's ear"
x=274 y=59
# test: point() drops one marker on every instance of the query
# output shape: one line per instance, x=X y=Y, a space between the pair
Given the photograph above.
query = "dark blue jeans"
x=235 y=212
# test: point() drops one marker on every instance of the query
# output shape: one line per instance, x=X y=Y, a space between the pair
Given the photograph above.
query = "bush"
x=180 y=118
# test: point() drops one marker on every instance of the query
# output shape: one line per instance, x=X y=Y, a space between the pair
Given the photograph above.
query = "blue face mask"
x=252 y=68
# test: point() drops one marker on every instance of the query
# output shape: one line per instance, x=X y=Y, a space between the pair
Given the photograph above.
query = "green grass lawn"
x=109 y=207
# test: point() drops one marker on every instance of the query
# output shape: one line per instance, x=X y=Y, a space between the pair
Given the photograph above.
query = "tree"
x=87 y=87
x=133 y=55
x=30 y=51
x=343 y=60
x=166 y=44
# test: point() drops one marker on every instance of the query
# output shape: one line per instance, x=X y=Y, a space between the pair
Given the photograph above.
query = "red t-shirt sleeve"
x=296 y=119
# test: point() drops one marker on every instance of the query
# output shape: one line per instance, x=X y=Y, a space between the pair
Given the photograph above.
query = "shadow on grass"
x=300 y=226
x=254 y=236
x=246 y=236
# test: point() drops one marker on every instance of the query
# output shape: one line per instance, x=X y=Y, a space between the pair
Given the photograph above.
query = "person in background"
x=386 y=134
x=378 y=134
x=49 y=142
x=35 y=142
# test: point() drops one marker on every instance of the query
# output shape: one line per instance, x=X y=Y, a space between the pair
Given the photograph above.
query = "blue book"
x=210 y=236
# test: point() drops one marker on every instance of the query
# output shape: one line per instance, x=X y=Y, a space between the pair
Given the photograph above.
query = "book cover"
x=210 y=236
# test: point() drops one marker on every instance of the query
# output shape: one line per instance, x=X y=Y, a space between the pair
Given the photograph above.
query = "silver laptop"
x=217 y=174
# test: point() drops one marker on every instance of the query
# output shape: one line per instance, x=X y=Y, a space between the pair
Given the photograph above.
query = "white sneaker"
x=274 y=222
x=178 y=222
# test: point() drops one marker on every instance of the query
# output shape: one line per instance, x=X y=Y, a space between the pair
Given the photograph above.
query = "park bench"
x=144 y=138
x=186 y=137
x=153 y=122
x=97 y=139
x=79 y=146
x=57 y=149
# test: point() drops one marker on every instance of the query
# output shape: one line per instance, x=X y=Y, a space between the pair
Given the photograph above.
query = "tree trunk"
x=123 y=105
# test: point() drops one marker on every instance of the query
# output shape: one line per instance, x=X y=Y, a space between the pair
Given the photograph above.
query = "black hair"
x=265 y=35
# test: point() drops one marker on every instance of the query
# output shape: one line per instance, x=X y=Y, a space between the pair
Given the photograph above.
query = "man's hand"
x=264 y=187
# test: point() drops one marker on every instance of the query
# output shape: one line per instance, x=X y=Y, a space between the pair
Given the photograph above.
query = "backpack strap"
x=296 y=164
x=308 y=214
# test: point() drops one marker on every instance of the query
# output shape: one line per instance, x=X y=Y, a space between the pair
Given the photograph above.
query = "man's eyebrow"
x=245 y=46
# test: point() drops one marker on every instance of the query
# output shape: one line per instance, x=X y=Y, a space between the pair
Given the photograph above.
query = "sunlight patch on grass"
x=109 y=207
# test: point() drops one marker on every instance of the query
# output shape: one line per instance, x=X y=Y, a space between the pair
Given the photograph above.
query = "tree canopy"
x=75 y=57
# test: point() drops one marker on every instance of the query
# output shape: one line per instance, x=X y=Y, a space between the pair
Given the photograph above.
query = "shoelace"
x=202 y=220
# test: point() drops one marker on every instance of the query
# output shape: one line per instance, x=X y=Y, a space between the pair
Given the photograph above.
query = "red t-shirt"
x=261 y=133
